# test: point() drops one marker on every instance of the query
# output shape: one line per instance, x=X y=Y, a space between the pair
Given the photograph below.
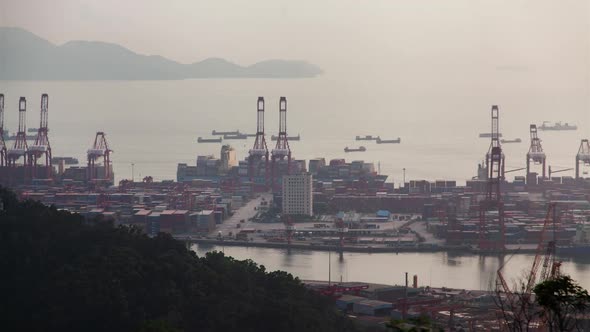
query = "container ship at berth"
x=581 y=243
x=557 y=126
x=359 y=149
x=66 y=160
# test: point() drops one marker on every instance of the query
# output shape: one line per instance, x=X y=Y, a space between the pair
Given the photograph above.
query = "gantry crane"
x=260 y=150
x=535 y=153
x=493 y=200
x=41 y=147
x=282 y=149
x=2 y=142
x=99 y=149
x=19 y=148
x=583 y=156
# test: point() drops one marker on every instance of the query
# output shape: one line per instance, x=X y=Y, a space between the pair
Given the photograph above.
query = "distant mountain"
x=25 y=56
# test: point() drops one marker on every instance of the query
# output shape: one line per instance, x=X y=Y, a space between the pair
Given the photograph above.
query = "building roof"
x=143 y=212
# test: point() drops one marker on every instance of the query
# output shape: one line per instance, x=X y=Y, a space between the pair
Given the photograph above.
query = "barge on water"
x=209 y=140
x=235 y=136
x=557 y=126
x=359 y=149
x=516 y=140
x=221 y=133
x=388 y=141
x=366 y=138
x=290 y=138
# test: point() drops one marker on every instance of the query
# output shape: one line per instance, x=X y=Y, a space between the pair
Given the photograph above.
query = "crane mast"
x=260 y=150
x=2 y=142
x=282 y=149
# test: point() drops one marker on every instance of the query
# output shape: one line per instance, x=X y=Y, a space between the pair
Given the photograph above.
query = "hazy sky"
x=332 y=33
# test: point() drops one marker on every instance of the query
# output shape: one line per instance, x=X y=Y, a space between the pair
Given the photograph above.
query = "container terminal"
x=237 y=202
x=354 y=207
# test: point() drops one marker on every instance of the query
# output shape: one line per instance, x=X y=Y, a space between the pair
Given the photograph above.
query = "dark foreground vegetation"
x=60 y=274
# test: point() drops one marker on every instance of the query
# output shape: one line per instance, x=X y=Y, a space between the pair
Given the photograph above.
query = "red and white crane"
x=260 y=150
x=41 y=147
x=2 y=142
x=492 y=207
x=535 y=154
x=100 y=149
x=282 y=149
x=19 y=148
x=583 y=156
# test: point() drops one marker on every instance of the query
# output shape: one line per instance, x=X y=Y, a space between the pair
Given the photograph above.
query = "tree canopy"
x=60 y=273
x=563 y=301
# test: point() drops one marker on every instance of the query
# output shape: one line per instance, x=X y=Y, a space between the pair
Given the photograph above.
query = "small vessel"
x=516 y=140
x=359 y=149
x=366 y=138
x=209 y=140
x=235 y=136
x=66 y=160
x=290 y=138
x=388 y=141
x=557 y=126
x=32 y=130
x=220 y=133
x=488 y=135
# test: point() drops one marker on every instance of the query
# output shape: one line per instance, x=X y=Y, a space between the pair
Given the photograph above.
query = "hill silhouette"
x=62 y=273
x=26 y=56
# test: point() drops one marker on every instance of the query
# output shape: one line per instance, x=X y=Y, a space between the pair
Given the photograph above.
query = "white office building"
x=298 y=194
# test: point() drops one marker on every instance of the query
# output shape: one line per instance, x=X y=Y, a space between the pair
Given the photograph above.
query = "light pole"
x=132 y=172
x=404 y=169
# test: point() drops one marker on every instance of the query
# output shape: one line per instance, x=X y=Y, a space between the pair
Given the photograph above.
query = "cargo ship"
x=488 y=135
x=388 y=141
x=359 y=149
x=516 y=140
x=221 y=133
x=575 y=249
x=366 y=138
x=581 y=242
x=557 y=126
x=209 y=140
x=235 y=136
x=290 y=138
x=66 y=160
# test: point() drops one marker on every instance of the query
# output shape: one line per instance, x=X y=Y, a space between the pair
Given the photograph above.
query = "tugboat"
x=366 y=138
x=557 y=126
x=388 y=141
x=359 y=149
x=516 y=140
x=209 y=140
